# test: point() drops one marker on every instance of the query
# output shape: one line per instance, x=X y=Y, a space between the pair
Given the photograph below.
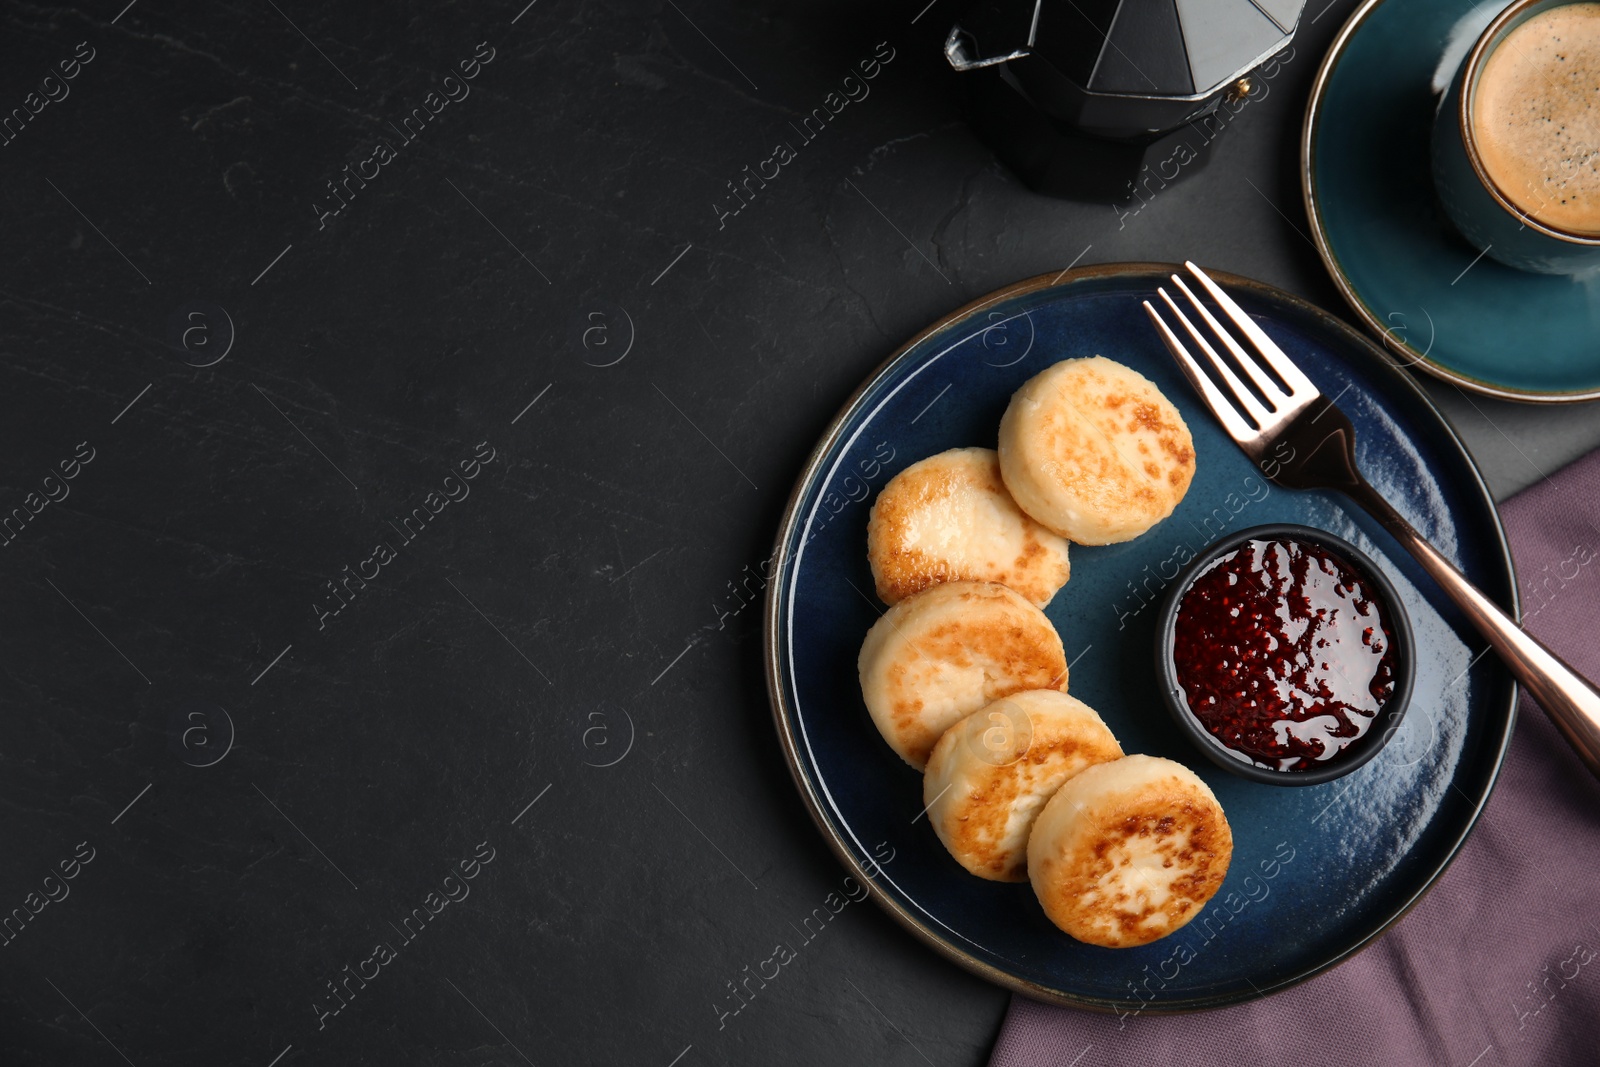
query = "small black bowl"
x=1378 y=733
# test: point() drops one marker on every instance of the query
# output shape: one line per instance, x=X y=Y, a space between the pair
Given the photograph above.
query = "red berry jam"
x=1285 y=653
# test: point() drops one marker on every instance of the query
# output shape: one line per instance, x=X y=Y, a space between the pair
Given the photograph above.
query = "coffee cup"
x=1516 y=140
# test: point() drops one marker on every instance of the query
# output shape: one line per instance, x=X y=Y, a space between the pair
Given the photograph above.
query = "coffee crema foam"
x=1536 y=118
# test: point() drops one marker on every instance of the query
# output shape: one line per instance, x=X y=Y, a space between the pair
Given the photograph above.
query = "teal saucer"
x=1369 y=195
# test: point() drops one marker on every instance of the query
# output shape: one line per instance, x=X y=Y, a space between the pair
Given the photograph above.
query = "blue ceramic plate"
x=1369 y=195
x=1317 y=871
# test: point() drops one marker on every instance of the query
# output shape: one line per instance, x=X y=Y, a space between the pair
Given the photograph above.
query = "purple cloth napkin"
x=1500 y=962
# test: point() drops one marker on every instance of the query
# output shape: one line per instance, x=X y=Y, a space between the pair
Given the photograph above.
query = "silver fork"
x=1300 y=440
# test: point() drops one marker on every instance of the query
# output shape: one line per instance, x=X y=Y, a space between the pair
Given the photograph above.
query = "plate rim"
x=1330 y=261
x=777 y=598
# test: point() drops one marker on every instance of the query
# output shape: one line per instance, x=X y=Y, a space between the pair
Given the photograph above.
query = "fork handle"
x=1571 y=701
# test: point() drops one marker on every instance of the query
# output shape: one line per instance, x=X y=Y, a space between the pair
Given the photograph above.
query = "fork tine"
x=1242 y=396
x=1269 y=388
x=1231 y=421
x=1300 y=387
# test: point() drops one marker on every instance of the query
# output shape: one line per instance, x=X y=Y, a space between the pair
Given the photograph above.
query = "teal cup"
x=1489 y=219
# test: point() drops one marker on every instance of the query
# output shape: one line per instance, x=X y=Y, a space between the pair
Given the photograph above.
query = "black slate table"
x=398 y=405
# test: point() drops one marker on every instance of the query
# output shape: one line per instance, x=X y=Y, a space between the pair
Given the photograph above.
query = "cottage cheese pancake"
x=1129 y=851
x=1094 y=451
x=950 y=518
x=937 y=657
x=992 y=772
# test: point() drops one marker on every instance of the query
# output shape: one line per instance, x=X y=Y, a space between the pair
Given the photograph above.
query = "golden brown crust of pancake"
x=1094 y=451
x=965 y=626
x=900 y=568
x=1184 y=825
x=1009 y=646
x=1130 y=920
x=975 y=825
